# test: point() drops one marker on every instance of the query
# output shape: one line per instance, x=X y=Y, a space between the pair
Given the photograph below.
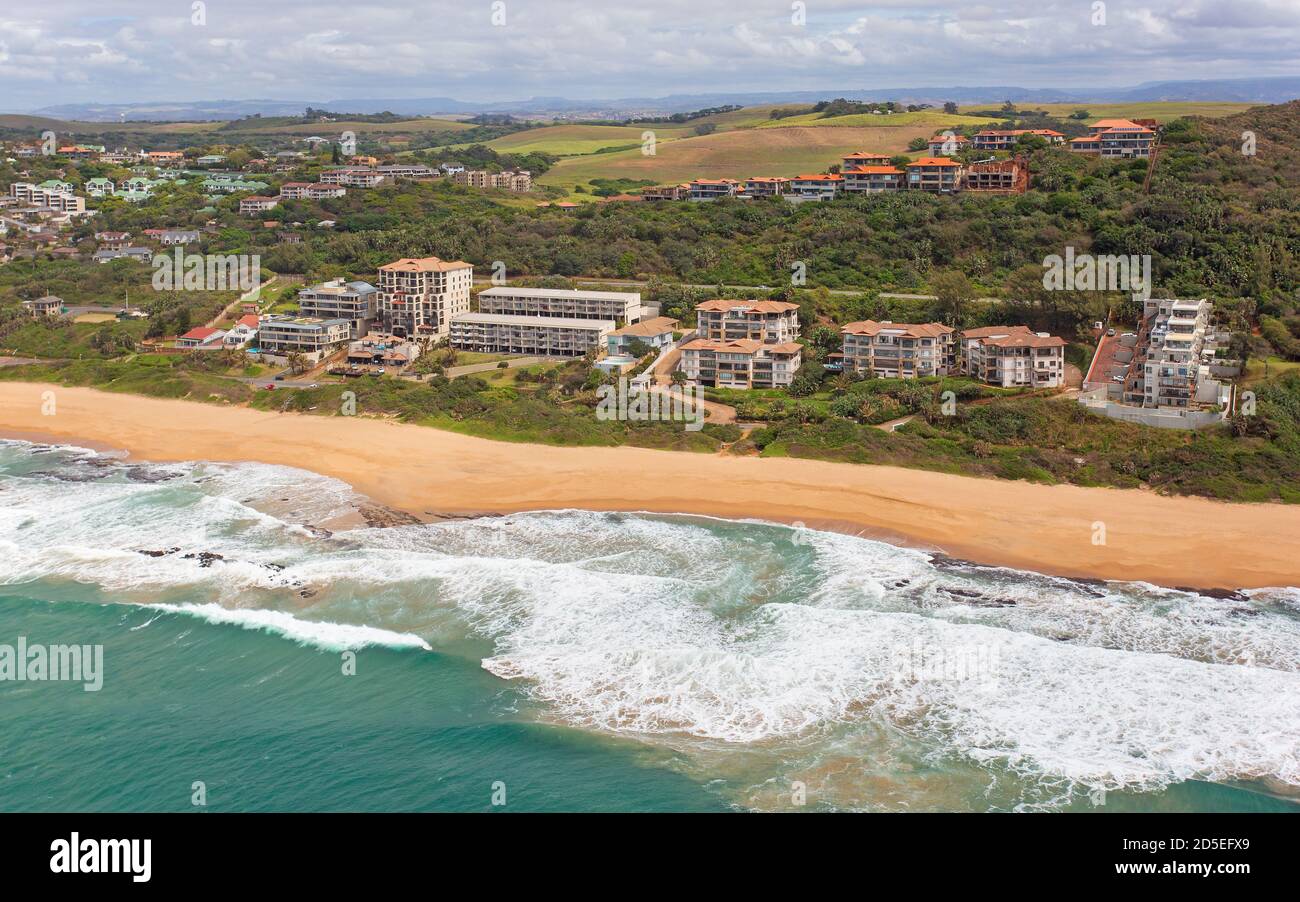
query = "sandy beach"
x=429 y=472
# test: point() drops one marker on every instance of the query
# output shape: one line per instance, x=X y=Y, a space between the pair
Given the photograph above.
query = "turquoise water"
x=594 y=662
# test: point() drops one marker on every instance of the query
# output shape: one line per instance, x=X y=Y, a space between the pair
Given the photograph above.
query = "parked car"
x=270 y=386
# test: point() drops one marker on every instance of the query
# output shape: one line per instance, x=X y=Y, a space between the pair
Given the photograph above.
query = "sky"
x=74 y=51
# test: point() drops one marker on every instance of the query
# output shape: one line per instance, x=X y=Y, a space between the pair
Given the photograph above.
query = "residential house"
x=178 y=237
x=823 y=186
x=243 y=333
x=713 y=189
x=948 y=145
x=765 y=186
x=201 y=337
x=49 y=305
x=667 y=192
x=861 y=158
x=1116 y=139
x=141 y=254
x=656 y=332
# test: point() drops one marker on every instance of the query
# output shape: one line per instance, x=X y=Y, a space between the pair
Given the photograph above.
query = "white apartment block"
x=622 y=306
x=889 y=350
x=282 y=335
x=543 y=336
x=1013 y=356
x=741 y=363
x=1171 y=368
x=354 y=177
x=732 y=320
x=338 y=299
x=419 y=296
x=54 y=198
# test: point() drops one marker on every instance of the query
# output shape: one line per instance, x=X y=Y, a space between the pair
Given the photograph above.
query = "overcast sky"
x=65 y=51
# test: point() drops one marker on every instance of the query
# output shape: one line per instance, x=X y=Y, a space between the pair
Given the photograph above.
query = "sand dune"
x=1169 y=541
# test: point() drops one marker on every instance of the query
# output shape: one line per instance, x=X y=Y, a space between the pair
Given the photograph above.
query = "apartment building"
x=255 y=204
x=733 y=320
x=713 y=189
x=310 y=191
x=821 y=186
x=889 y=350
x=667 y=192
x=1013 y=356
x=519 y=180
x=353 y=177
x=1174 y=345
x=99 y=187
x=873 y=179
x=656 y=332
x=340 y=299
x=765 y=186
x=52 y=196
x=407 y=171
x=996 y=177
x=1116 y=139
x=419 y=296
x=861 y=158
x=164 y=157
x=543 y=336
x=281 y=335
x=993 y=139
x=621 y=306
x=947 y=145
x=938 y=175
x=741 y=363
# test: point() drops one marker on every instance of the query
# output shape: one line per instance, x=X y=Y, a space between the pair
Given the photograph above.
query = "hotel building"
x=889 y=350
x=1013 y=356
x=543 y=336
x=741 y=363
x=621 y=306
x=419 y=296
x=733 y=320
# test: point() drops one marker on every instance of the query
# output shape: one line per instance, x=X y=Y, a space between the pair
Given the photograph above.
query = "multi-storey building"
x=873 y=179
x=1013 y=355
x=622 y=306
x=255 y=204
x=889 y=350
x=419 y=296
x=713 y=189
x=740 y=363
x=993 y=139
x=822 y=186
x=939 y=175
x=1168 y=370
x=1116 y=139
x=545 y=336
x=947 y=145
x=51 y=195
x=280 y=335
x=667 y=192
x=732 y=320
x=338 y=299
x=996 y=177
x=511 y=179
x=861 y=158
x=765 y=186
x=353 y=177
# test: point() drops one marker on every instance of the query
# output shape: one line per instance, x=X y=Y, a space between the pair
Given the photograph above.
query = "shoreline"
x=434 y=474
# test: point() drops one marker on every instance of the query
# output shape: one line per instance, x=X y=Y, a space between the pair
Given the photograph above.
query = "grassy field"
x=1276 y=366
x=1159 y=111
x=736 y=154
x=214 y=129
x=927 y=119
x=568 y=140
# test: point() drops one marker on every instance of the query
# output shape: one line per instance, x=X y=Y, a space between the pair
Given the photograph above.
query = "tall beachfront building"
x=418 y=296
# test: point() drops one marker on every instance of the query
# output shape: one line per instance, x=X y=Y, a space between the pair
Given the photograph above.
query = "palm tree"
x=297 y=362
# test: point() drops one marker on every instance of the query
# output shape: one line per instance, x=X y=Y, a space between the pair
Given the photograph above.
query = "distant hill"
x=1242 y=90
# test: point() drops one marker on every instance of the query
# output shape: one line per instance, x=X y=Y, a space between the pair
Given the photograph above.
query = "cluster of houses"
x=938 y=173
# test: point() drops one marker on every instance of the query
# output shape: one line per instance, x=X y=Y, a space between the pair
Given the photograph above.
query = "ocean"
x=262 y=651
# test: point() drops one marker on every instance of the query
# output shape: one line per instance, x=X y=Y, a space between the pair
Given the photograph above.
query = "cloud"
x=110 y=50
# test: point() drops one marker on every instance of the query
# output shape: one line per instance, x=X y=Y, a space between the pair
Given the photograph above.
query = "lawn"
x=737 y=154
x=1255 y=369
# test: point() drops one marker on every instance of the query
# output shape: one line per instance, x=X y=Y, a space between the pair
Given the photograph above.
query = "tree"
x=954 y=291
x=297 y=362
x=950 y=108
